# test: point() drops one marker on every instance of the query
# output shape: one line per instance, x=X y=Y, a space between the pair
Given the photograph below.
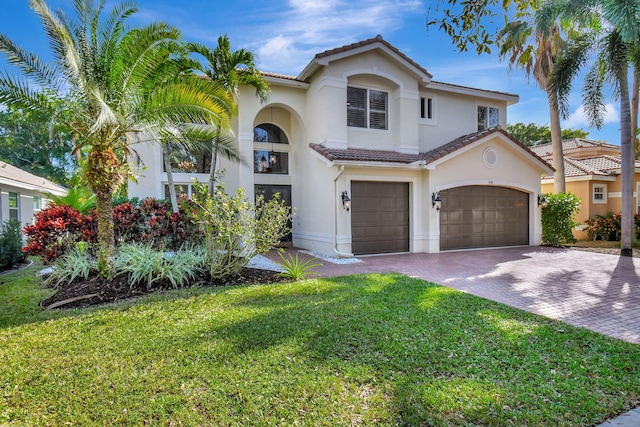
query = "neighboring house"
x=592 y=171
x=23 y=194
x=366 y=122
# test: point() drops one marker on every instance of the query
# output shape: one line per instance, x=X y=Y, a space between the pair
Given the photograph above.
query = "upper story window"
x=488 y=117
x=273 y=160
x=599 y=193
x=367 y=108
x=426 y=108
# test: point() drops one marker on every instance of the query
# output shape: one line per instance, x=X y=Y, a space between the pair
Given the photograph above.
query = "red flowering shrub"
x=608 y=226
x=56 y=230
x=59 y=228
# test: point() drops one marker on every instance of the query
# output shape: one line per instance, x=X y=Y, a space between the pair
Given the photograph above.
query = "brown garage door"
x=482 y=216
x=379 y=217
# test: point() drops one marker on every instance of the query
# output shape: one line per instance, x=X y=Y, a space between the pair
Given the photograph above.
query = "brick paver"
x=597 y=291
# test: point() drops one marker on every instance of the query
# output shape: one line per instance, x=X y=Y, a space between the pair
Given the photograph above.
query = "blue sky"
x=286 y=34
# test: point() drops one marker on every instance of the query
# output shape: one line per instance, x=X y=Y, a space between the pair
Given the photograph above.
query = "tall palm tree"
x=231 y=69
x=614 y=35
x=534 y=50
x=112 y=81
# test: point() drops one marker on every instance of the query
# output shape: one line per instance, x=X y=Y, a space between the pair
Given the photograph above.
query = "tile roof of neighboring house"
x=278 y=76
x=16 y=177
x=572 y=144
x=365 y=155
x=604 y=165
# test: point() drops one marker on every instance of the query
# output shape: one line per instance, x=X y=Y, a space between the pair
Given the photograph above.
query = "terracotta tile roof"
x=604 y=165
x=571 y=144
x=376 y=39
x=279 y=76
x=364 y=155
x=474 y=88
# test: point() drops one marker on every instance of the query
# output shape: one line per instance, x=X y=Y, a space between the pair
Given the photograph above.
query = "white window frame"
x=176 y=184
x=487 y=117
x=428 y=109
x=602 y=193
x=15 y=208
x=638 y=197
x=368 y=111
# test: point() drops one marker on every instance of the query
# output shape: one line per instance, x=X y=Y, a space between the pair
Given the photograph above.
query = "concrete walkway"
x=596 y=291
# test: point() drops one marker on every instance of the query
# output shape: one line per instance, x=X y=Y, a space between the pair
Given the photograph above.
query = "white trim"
x=316 y=237
x=506 y=97
x=614 y=195
x=281 y=81
x=332 y=82
x=595 y=201
x=582 y=178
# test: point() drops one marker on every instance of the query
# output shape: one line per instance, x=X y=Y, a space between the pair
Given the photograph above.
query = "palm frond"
x=29 y=63
x=568 y=63
x=19 y=93
x=592 y=93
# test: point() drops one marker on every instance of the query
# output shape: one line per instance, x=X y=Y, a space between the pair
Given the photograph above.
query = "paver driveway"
x=597 y=291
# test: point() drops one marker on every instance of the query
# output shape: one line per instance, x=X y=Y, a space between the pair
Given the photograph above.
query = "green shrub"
x=75 y=264
x=558 y=218
x=144 y=263
x=234 y=232
x=296 y=269
x=10 y=244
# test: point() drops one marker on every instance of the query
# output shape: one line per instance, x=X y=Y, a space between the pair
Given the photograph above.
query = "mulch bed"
x=96 y=290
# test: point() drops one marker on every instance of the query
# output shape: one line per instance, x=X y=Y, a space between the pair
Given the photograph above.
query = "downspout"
x=335 y=217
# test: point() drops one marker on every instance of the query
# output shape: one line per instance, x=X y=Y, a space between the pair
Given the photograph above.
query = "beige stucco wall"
x=583 y=189
x=514 y=169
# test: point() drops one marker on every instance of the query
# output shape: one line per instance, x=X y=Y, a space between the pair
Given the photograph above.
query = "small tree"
x=10 y=244
x=234 y=231
x=558 y=218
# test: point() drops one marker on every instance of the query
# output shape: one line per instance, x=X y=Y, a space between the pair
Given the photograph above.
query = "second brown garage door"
x=379 y=217
x=483 y=216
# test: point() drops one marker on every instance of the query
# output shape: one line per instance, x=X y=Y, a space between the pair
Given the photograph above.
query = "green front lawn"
x=356 y=350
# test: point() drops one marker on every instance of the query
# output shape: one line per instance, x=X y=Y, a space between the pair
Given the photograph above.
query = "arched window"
x=272 y=160
x=270 y=133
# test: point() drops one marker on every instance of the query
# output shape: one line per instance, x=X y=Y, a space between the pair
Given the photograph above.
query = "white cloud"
x=292 y=38
x=578 y=117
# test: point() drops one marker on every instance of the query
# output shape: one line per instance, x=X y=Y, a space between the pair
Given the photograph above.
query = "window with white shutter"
x=367 y=108
x=357 y=107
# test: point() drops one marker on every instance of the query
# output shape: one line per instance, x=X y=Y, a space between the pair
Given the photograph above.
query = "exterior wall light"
x=346 y=201
x=542 y=200
x=436 y=201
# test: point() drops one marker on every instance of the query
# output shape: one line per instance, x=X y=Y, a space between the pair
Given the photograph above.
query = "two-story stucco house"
x=424 y=164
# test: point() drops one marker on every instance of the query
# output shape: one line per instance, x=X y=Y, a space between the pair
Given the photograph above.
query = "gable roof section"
x=359 y=155
x=16 y=177
x=324 y=58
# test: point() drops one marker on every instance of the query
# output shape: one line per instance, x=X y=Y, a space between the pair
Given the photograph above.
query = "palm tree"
x=231 y=69
x=614 y=33
x=112 y=81
x=535 y=49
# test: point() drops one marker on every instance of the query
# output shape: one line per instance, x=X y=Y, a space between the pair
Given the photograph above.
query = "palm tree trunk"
x=628 y=155
x=556 y=144
x=167 y=167
x=214 y=161
x=106 y=239
x=634 y=111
